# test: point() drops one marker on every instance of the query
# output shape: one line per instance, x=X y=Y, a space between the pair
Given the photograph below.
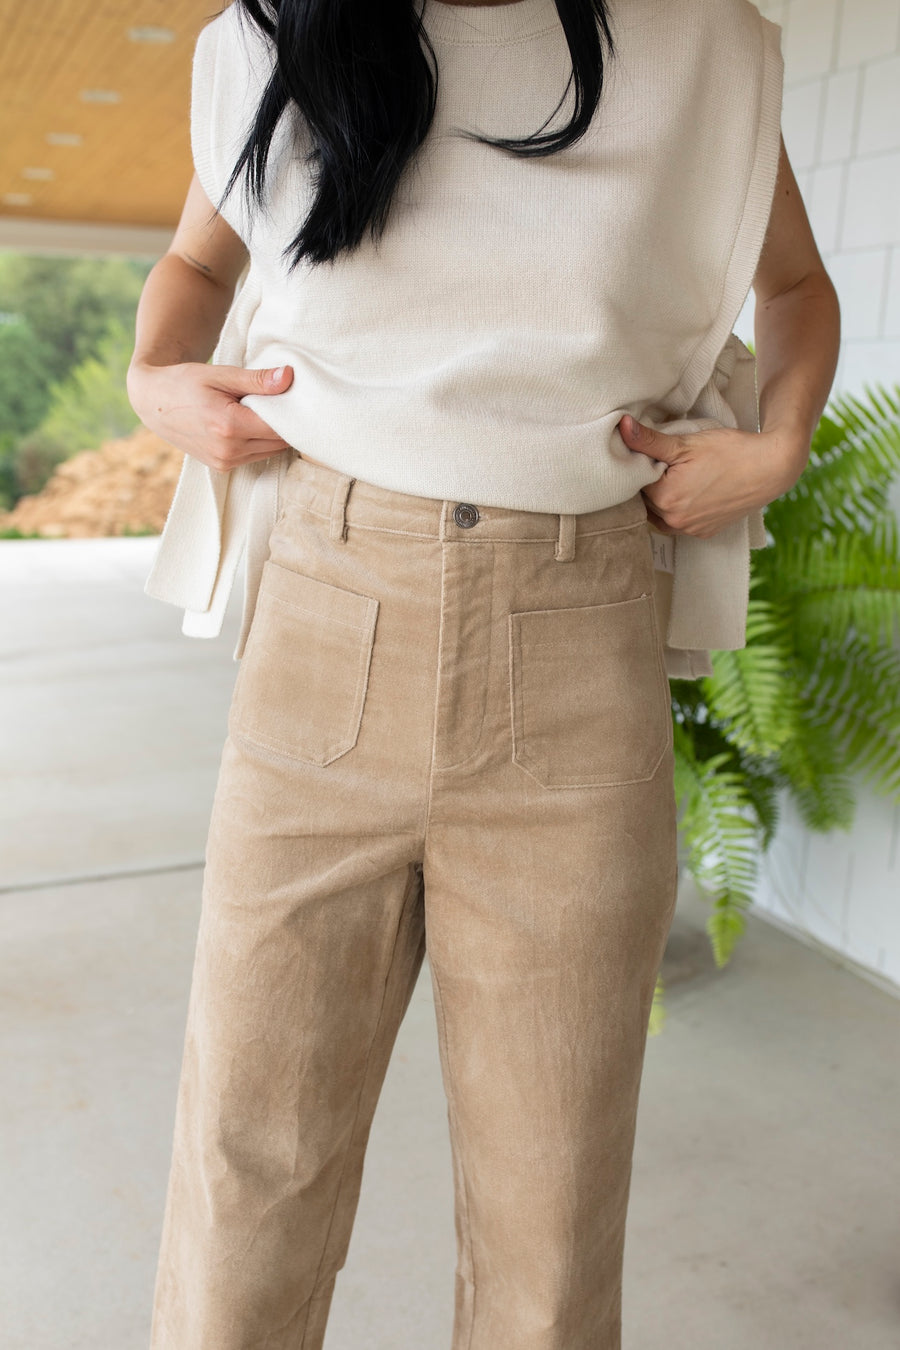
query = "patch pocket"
x=589 y=694
x=302 y=682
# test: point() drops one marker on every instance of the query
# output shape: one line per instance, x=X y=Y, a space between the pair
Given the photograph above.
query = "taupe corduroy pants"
x=451 y=725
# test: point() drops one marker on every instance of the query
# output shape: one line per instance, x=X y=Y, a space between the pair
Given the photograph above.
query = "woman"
x=485 y=331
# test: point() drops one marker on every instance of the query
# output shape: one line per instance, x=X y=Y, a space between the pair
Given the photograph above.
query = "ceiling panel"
x=121 y=159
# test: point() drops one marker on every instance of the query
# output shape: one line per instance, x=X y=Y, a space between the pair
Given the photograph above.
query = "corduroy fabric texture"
x=450 y=729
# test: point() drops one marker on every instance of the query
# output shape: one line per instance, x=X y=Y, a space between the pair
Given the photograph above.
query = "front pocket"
x=302 y=682
x=589 y=694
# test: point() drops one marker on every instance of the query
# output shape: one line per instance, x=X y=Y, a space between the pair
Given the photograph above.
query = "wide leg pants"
x=450 y=729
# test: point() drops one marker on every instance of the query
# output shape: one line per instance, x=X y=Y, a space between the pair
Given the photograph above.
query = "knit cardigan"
x=449 y=384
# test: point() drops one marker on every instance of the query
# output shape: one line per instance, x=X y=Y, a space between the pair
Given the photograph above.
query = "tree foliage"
x=66 y=327
x=90 y=406
x=69 y=303
x=24 y=383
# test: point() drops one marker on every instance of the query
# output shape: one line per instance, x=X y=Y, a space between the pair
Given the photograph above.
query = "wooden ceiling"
x=94 y=105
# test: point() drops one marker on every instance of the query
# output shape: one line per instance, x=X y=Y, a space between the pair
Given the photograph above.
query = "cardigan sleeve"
x=231 y=67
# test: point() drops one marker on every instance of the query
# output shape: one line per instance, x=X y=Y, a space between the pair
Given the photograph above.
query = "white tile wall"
x=879 y=117
x=839 y=116
x=870 y=363
x=892 y=298
x=867 y=30
x=800 y=120
x=860 y=278
x=842 y=130
x=809 y=40
x=840 y=888
x=872 y=207
x=825 y=203
x=841 y=121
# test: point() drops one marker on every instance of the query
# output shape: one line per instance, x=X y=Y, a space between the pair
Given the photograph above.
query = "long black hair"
x=363 y=75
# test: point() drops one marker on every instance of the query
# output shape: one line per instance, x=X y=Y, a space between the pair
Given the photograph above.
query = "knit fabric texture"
x=486 y=347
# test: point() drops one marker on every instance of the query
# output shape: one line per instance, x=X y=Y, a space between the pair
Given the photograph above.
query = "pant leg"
x=290 y=1027
x=311 y=937
x=550 y=884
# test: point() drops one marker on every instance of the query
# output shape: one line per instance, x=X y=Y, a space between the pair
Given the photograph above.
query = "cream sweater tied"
x=486 y=348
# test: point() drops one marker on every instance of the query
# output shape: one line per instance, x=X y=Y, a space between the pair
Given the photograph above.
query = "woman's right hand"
x=197 y=408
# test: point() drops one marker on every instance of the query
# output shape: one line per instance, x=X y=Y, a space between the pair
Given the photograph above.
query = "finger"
x=240 y=381
x=657 y=522
x=649 y=442
x=243 y=424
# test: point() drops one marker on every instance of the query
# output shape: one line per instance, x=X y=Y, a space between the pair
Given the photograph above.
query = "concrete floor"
x=764 y=1197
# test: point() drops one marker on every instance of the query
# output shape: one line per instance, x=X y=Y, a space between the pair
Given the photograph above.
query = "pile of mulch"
x=125 y=487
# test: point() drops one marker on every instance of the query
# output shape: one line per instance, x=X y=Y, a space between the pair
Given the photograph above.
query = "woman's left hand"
x=713 y=477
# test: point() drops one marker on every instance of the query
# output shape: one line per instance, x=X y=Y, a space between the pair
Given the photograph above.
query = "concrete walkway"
x=764 y=1195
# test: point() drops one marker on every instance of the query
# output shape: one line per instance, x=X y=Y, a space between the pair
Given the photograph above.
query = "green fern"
x=858 y=700
x=720 y=829
x=814 y=697
x=812 y=768
x=751 y=693
x=854 y=456
x=840 y=583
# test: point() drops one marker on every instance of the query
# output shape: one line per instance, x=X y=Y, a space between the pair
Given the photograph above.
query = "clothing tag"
x=663 y=546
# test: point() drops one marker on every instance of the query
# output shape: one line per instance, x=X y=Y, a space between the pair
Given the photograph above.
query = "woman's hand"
x=194 y=406
x=197 y=408
x=713 y=477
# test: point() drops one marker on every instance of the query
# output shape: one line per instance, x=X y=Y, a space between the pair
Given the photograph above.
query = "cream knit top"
x=487 y=346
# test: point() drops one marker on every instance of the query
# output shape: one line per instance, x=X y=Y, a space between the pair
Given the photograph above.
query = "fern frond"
x=843 y=586
x=751 y=690
x=855 y=453
x=856 y=695
x=725 y=926
x=720 y=828
x=818 y=781
x=762 y=783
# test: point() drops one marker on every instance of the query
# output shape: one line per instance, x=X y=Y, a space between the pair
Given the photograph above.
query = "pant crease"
x=464 y=1216
x=412 y=893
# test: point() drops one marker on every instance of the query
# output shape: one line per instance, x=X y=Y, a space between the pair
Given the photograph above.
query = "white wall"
x=82 y=239
x=841 y=890
x=841 y=125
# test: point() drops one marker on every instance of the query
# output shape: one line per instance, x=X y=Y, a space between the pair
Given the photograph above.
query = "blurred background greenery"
x=66 y=334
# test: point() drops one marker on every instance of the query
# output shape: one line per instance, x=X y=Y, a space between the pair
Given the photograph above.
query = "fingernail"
x=636 y=430
x=276 y=375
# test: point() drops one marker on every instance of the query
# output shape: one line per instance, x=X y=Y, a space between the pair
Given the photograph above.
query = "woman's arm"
x=183 y=305
x=714 y=477
x=798 y=329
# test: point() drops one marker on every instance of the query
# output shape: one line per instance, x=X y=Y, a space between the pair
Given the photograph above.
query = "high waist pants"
x=450 y=729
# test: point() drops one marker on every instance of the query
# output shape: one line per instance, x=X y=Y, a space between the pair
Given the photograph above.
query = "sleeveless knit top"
x=487 y=346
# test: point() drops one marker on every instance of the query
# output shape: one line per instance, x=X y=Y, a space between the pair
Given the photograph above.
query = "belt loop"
x=565 y=542
x=338 y=527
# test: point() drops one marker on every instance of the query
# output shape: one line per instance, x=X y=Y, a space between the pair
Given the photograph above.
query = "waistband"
x=354 y=502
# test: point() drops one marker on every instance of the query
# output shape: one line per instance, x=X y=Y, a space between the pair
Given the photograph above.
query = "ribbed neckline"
x=495 y=24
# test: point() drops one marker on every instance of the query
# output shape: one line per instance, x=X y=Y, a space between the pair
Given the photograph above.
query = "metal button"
x=465 y=515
